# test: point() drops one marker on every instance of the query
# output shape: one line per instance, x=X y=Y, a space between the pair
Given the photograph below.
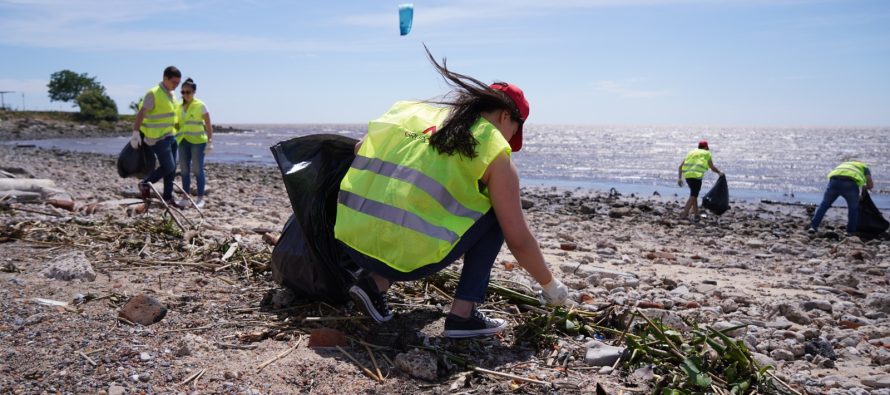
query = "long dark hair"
x=468 y=100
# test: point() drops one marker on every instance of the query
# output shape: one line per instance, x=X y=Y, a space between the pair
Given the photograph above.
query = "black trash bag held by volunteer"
x=307 y=259
x=871 y=221
x=717 y=199
x=135 y=162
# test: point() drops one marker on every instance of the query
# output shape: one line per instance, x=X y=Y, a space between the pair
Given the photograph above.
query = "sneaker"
x=199 y=203
x=184 y=202
x=477 y=324
x=144 y=190
x=365 y=294
x=810 y=230
x=172 y=203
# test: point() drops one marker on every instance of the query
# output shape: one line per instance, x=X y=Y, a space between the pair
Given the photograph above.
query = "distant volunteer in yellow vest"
x=155 y=126
x=195 y=140
x=433 y=183
x=693 y=169
x=844 y=181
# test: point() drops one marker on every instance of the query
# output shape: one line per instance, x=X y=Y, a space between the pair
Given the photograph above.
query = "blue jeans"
x=479 y=246
x=163 y=150
x=840 y=188
x=191 y=157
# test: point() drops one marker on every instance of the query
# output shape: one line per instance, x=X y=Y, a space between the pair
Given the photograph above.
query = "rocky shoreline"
x=816 y=307
x=39 y=126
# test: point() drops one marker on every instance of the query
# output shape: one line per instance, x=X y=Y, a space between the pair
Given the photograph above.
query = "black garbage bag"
x=717 y=199
x=307 y=258
x=871 y=222
x=135 y=162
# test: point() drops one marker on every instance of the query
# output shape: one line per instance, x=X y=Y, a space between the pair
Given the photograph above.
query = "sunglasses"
x=187 y=92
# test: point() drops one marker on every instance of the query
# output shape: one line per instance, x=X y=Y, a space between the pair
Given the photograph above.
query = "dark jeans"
x=479 y=246
x=840 y=188
x=166 y=169
x=191 y=157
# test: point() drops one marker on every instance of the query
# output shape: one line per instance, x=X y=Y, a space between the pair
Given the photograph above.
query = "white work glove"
x=135 y=139
x=555 y=292
x=208 y=148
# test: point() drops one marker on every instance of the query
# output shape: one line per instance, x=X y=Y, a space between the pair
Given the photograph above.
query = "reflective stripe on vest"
x=418 y=179
x=854 y=170
x=403 y=203
x=160 y=121
x=395 y=215
x=696 y=163
x=191 y=127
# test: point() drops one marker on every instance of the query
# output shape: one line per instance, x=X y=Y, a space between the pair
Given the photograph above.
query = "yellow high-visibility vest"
x=160 y=121
x=191 y=125
x=696 y=163
x=402 y=202
x=853 y=169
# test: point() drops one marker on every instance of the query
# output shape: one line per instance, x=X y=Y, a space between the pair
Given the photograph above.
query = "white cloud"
x=619 y=89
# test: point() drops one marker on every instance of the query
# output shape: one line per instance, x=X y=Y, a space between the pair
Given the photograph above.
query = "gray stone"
x=419 y=364
x=144 y=356
x=666 y=317
x=70 y=266
x=729 y=306
x=602 y=354
x=782 y=355
x=823 y=305
x=820 y=347
x=723 y=325
x=116 y=390
x=680 y=291
x=619 y=212
x=843 y=278
x=793 y=313
x=879 y=301
x=763 y=359
x=879 y=381
x=881 y=357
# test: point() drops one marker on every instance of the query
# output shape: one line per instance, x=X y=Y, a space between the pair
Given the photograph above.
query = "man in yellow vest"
x=844 y=181
x=431 y=184
x=155 y=126
x=693 y=169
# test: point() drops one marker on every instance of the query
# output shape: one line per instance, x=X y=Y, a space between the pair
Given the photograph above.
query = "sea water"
x=786 y=164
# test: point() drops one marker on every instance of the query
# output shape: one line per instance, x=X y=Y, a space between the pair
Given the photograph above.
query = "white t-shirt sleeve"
x=148 y=102
x=205 y=110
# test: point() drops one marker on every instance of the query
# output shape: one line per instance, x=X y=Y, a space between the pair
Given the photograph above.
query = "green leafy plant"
x=95 y=105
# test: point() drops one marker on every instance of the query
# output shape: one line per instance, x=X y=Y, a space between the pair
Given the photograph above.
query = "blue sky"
x=639 y=62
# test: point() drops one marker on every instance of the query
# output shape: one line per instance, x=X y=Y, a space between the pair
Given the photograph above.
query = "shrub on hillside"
x=95 y=105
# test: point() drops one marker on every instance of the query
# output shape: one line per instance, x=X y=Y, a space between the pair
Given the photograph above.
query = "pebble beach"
x=817 y=307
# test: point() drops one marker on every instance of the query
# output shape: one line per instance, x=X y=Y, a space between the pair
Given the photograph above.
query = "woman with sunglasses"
x=430 y=184
x=195 y=139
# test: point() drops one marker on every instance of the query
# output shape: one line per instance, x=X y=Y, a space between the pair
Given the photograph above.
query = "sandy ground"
x=754 y=265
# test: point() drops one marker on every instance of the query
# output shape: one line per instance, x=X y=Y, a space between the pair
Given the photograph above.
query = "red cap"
x=515 y=94
x=703 y=144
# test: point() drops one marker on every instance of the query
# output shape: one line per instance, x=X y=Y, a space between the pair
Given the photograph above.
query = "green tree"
x=95 y=105
x=66 y=85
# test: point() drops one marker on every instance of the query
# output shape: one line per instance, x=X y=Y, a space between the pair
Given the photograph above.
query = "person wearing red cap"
x=693 y=169
x=433 y=182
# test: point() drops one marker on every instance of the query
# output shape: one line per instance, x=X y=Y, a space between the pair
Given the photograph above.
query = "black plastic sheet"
x=307 y=258
x=135 y=162
x=717 y=199
x=871 y=221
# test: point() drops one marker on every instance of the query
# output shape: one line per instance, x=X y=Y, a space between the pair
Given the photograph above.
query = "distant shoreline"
x=40 y=125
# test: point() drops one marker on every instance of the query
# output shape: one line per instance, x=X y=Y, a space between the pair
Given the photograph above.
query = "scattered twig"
x=279 y=356
x=193 y=376
x=364 y=369
x=90 y=360
x=512 y=376
x=374 y=362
